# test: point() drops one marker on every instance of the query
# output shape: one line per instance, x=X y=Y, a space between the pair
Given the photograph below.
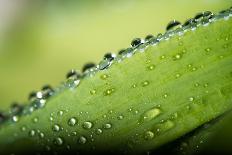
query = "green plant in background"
x=152 y=93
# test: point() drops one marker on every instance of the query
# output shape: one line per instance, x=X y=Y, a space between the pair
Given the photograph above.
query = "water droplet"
x=72 y=121
x=58 y=141
x=23 y=128
x=32 y=96
x=145 y=83
x=82 y=140
x=32 y=133
x=104 y=64
x=177 y=57
x=109 y=91
x=165 y=95
x=87 y=125
x=189 y=22
x=135 y=42
x=39 y=95
x=93 y=91
x=88 y=66
x=172 y=25
x=121 y=52
x=41 y=135
x=15 y=118
x=208 y=50
x=148 y=37
x=177 y=75
x=60 y=113
x=107 y=126
x=47 y=91
x=109 y=56
x=151 y=114
x=120 y=117
x=162 y=57
x=35 y=120
x=104 y=76
x=191 y=99
x=98 y=131
x=149 y=135
x=73 y=74
x=199 y=16
x=56 y=128
x=16 y=108
x=134 y=86
x=151 y=67
x=196 y=84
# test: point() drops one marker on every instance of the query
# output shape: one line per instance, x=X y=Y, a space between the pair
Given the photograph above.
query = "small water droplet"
x=58 y=141
x=72 y=121
x=149 y=135
x=60 y=113
x=177 y=56
x=93 y=91
x=145 y=83
x=151 y=67
x=82 y=140
x=23 y=128
x=87 y=125
x=177 y=75
x=134 y=86
x=41 y=135
x=151 y=114
x=15 y=118
x=99 y=131
x=32 y=133
x=109 y=91
x=120 y=117
x=35 y=120
x=208 y=50
x=104 y=76
x=165 y=95
x=107 y=126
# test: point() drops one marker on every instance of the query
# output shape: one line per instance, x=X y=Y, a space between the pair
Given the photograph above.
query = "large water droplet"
x=172 y=25
x=56 y=128
x=72 y=121
x=135 y=42
x=82 y=140
x=151 y=114
x=109 y=56
x=88 y=66
x=148 y=37
x=47 y=91
x=149 y=135
x=87 y=125
x=104 y=64
x=58 y=141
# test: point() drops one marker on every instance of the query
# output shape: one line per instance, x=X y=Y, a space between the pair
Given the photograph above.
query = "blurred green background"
x=41 y=40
